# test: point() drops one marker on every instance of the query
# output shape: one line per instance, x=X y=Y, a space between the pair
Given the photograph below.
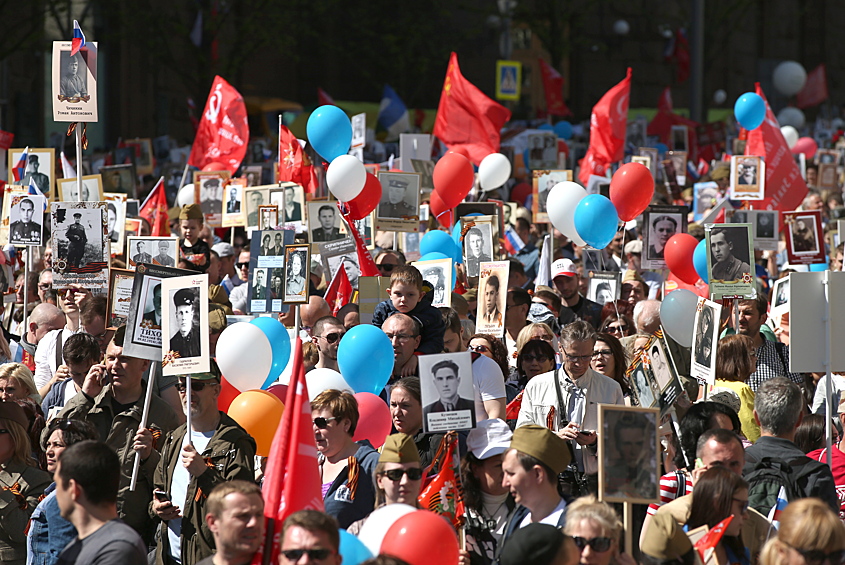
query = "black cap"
x=536 y=543
x=184 y=297
x=77 y=215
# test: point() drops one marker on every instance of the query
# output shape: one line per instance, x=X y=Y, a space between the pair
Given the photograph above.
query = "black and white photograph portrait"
x=119 y=178
x=120 y=297
x=208 y=192
x=291 y=202
x=644 y=387
x=74 y=83
x=635 y=134
x=705 y=338
x=679 y=162
x=259 y=290
x=426 y=172
x=628 y=454
x=780 y=296
x=80 y=248
x=268 y=217
x=400 y=201
x=409 y=244
x=437 y=274
x=92 y=189
x=255 y=197
x=296 y=274
x=116 y=210
x=747 y=177
x=680 y=135
x=232 y=196
x=340 y=254
x=258 y=151
x=804 y=245
x=478 y=248
x=184 y=325
x=26 y=219
x=543 y=182
x=161 y=251
x=542 y=151
x=38 y=170
x=765 y=229
x=492 y=298
x=705 y=195
x=447 y=395
x=660 y=223
x=730 y=258
x=233 y=214
x=267 y=263
x=252 y=173
x=324 y=222
x=604 y=286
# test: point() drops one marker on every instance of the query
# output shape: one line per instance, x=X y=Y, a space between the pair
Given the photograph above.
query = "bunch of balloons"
x=413 y=535
x=454 y=177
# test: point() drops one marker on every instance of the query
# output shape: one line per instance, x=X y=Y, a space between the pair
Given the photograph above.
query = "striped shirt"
x=669 y=490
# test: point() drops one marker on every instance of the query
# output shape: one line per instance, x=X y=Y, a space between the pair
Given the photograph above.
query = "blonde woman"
x=597 y=532
x=809 y=533
x=17 y=383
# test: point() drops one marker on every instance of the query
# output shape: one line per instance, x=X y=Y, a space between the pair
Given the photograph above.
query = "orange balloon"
x=259 y=413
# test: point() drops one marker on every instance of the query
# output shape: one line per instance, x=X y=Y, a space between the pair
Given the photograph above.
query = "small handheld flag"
x=20 y=168
x=78 y=40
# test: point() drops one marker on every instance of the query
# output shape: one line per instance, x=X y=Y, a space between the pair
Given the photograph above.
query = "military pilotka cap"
x=542 y=444
x=191 y=212
x=183 y=297
x=212 y=375
x=399 y=448
x=666 y=539
x=536 y=543
x=216 y=318
x=13 y=411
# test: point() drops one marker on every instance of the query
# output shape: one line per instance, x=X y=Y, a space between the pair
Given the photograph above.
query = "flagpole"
x=188 y=408
x=182 y=182
x=144 y=415
x=79 y=162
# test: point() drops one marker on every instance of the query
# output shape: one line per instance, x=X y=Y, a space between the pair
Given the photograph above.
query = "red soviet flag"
x=340 y=291
x=366 y=264
x=223 y=130
x=290 y=156
x=785 y=188
x=466 y=117
x=154 y=209
x=608 y=124
x=553 y=89
x=815 y=89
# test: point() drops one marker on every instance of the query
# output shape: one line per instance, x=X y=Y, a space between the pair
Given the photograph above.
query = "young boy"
x=408 y=296
x=191 y=248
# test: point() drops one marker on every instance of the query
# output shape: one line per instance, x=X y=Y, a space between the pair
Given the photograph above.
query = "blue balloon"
x=365 y=358
x=437 y=241
x=661 y=148
x=699 y=260
x=329 y=132
x=596 y=220
x=353 y=550
x=279 y=339
x=750 y=110
x=456 y=237
x=525 y=159
x=563 y=130
x=546 y=127
x=819 y=267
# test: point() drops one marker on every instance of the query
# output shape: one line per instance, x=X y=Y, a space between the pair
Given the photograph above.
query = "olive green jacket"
x=21 y=487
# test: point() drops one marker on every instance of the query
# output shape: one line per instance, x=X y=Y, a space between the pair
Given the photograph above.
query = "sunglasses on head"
x=313 y=554
x=599 y=545
x=196 y=386
x=414 y=474
x=332 y=337
x=323 y=423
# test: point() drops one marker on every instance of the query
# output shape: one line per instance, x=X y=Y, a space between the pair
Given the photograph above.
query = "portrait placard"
x=477 y=244
x=116 y=210
x=827 y=157
x=74 y=83
x=665 y=377
x=729 y=260
x=268 y=217
x=399 y=209
x=780 y=296
x=26 y=217
x=448 y=398
x=254 y=197
x=705 y=195
x=679 y=165
x=267 y=270
x=9 y=192
x=324 y=223
x=827 y=177
x=80 y=244
x=160 y=251
x=542 y=150
x=543 y=182
x=120 y=178
x=652 y=154
x=337 y=254
x=680 y=138
x=437 y=274
x=492 y=298
x=628 y=454
x=359 y=130
x=39 y=169
x=208 y=192
x=409 y=244
x=804 y=245
x=660 y=223
x=426 y=172
x=766 y=234
x=604 y=287
x=252 y=173
x=297 y=261
x=233 y=192
x=481 y=209
x=143 y=154
x=413 y=146
x=705 y=333
x=748 y=177
x=92 y=189
x=184 y=318
x=290 y=198
x=120 y=297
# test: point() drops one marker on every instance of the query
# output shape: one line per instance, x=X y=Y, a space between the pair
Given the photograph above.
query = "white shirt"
x=488 y=383
x=45 y=356
x=552 y=519
x=179 y=492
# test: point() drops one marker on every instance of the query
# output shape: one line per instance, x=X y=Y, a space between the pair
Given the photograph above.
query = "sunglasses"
x=196 y=386
x=530 y=358
x=386 y=267
x=614 y=329
x=414 y=474
x=599 y=545
x=4 y=431
x=64 y=425
x=242 y=265
x=323 y=423
x=295 y=555
x=817 y=556
x=478 y=348
x=332 y=337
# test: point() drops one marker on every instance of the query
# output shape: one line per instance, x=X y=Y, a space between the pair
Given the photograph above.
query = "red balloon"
x=631 y=190
x=700 y=287
x=279 y=391
x=805 y=145
x=678 y=255
x=453 y=178
x=440 y=210
x=460 y=151
x=215 y=166
x=367 y=200
x=520 y=192
x=417 y=536
x=374 y=422
x=228 y=393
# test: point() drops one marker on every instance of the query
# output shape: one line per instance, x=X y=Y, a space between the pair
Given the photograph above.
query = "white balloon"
x=346 y=177
x=379 y=521
x=791 y=135
x=322 y=379
x=561 y=203
x=791 y=116
x=621 y=27
x=244 y=356
x=677 y=314
x=720 y=96
x=789 y=78
x=494 y=171
x=186 y=195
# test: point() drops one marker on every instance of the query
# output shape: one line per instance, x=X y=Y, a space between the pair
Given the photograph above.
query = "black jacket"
x=428 y=317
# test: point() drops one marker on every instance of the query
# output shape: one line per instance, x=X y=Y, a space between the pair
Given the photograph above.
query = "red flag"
x=292 y=480
x=608 y=123
x=339 y=293
x=443 y=494
x=711 y=539
x=223 y=130
x=553 y=88
x=154 y=209
x=466 y=117
x=324 y=98
x=664 y=103
x=815 y=90
x=785 y=188
x=290 y=156
x=682 y=56
x=366 y=264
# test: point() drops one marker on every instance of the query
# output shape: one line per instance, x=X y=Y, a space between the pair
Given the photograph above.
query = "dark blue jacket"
x=429 y=318
x=515 y=519
x=55 y=397
x=338 y=501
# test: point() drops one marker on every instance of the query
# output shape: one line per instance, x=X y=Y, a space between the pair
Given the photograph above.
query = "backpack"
x=767 y=477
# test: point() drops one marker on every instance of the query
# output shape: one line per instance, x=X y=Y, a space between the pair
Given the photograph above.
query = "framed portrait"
x=297 y=262
x=660 y=223
x=446 y=389
x=74 y=83
x=9 y=192
x=252 y=174
x=409 y=244
x=208 y=191
x=543 y=182
x=92 y=189
x=642 y=160
x=628 y=454
x=705 y=195
x=340 y=254
x=399 y=208
x=26 y=219
x=80 y=244
x=290 y=198
x=365 y=230
x=143 y=326
x=233 y=212
x=120 y=297
x=665 y=376
x=604 y=286
x=705 y=338
x=643 y=385
x=437 y=279
x=425 y=168
x=159 y=251
x=492 y=298
x=479 y=209
x=680 y=138
x=413 y=146
x=267 y=270
x=748 y=177
x=359 y=130
x=116 y=210
x=827 y=176
x=730 y=260
x=144 y=164
x=172 y=173
x=542 y=150
x=635 y=133
x=184 y=328
x=780 y=296
x=766 y=233
x=133 y=226
x=254 y=197
x=804 y=244
x=324 y=222
x=477 y=245
x=827 y=157
x=652 y=154
x=120 y=178
x=679 y=164
x=39 y=169
x=268 y=217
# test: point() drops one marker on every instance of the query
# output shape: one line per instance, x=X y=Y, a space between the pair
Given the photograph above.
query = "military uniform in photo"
x=731 y=269
x=25 y=232
x=77 y=239
x=186 y=345
x=142 y=258
x=399 y=210
x=319 y=234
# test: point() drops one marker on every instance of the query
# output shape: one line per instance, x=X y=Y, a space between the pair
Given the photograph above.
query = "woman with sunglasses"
x=609 y=360
x=809 y=534
x=536 y=331
x=49 y=533
x=719 y=494
x=535 y=357
x=492 y=347
x=596 y=530
x=344 y=463
x=618 y=326
x=21 y=483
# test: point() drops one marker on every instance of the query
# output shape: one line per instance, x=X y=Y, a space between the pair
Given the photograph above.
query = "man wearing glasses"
x=218 y=450
x=327 y=332
x=403 y=332
x=313 y=535
x=238 y=293
x=574 y=394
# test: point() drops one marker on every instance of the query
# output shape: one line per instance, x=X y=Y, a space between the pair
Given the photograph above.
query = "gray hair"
x=778 y=405
x=649 y=311
x=577 y=331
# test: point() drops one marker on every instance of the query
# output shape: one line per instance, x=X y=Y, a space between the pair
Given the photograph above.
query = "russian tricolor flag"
x=20 y=167
x=78 y=40
x=778 y=508
x=33 y=190
x=513 y=244
x=393 y=114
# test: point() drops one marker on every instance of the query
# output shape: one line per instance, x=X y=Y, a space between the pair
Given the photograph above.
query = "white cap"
x=563 y=268
x=489 y=438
